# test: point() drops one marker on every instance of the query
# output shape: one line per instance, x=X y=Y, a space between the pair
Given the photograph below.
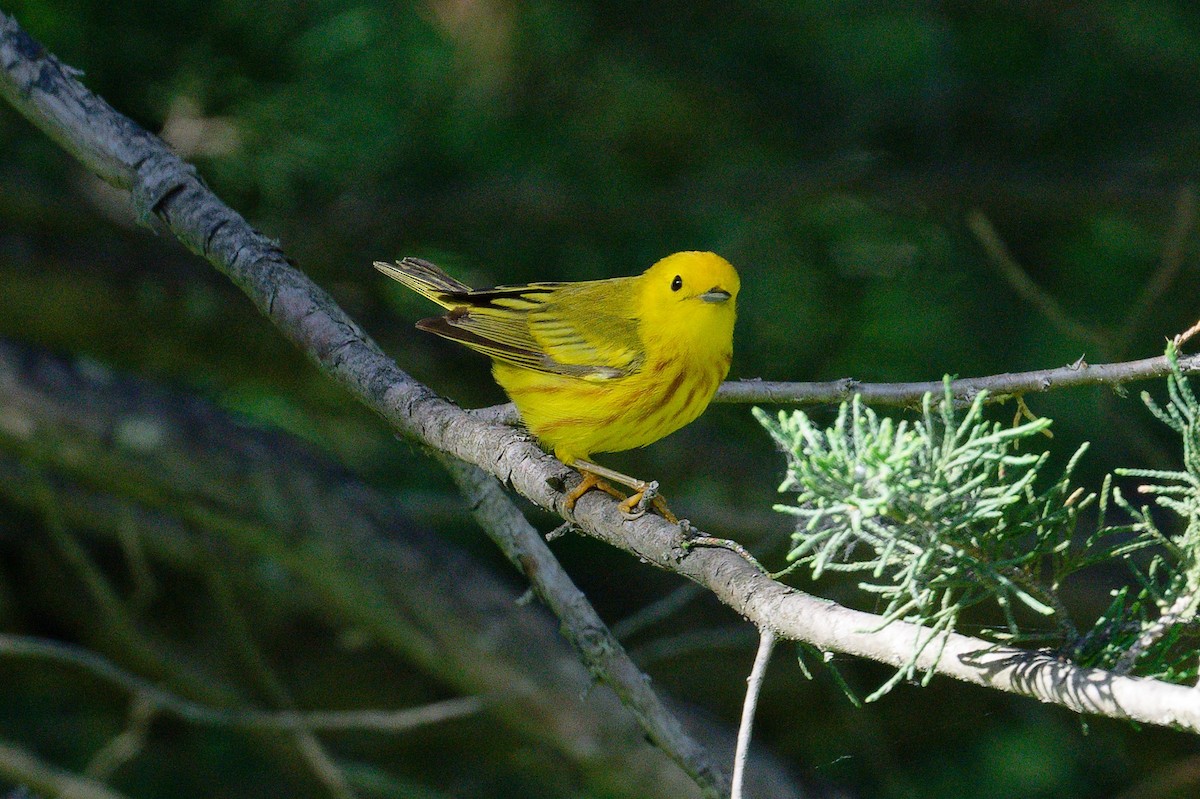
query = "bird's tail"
x=425 y=279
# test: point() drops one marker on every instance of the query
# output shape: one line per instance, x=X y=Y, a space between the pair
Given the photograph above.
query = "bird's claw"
x=636 y=505
x=649 y=493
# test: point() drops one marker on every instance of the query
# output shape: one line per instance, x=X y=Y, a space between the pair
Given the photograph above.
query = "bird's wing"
x=591 y=324
x=576 y=329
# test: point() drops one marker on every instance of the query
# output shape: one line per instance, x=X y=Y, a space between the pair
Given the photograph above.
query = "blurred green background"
x=833 y=151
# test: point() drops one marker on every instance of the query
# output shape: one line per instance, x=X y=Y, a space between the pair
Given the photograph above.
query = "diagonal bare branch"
x=25 y=768
x=528 y=551
x=203 y=491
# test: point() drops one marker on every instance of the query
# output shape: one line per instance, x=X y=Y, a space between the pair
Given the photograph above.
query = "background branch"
x=25 y=768
x=526 y=549
x=157 y=698
x=1171 y=263
x=1017 y=277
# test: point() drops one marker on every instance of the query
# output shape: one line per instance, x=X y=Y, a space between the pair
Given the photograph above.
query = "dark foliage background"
x=832 y=151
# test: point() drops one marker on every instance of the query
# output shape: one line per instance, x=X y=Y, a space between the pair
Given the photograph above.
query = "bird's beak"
x=715 y=294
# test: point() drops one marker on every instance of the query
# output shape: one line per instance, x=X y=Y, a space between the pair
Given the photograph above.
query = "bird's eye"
x=677 y=283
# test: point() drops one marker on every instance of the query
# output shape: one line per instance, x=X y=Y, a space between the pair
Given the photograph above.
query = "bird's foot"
x=645 y=494
x=636 y=505
x=591 y=480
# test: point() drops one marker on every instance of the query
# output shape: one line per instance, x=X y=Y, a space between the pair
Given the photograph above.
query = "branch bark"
x=1000 y=387
x=527 y=550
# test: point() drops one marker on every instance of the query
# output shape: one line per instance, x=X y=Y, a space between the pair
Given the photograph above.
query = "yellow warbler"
x=601 y=365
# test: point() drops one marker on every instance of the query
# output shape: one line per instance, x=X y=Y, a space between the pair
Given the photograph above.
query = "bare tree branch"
x=27 y=769
x=126 y=745
x=320 y=762
x=164 y=186
x=1000 y=387
x=1170 y=264
x=964 y=390
x=1012 y=271
x=766 y=645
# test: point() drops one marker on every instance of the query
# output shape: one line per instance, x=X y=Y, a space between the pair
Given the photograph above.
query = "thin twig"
x=1181 y=611
x=384 y=721
x=657 y=611
x=766 y=645
x=22 y=767
x=1182 y=338
x=1170 y=264
x=144 y=586
x=688 y=641
x=1019 y=279
x=111 y=618
x=964 y=390
x=127 y=745
x=239 y=635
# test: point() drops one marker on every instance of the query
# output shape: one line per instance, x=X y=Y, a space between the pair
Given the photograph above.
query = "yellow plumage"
x=602 y=365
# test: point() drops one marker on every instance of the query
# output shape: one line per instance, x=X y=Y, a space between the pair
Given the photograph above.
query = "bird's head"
x=691 y=279
x=693 y=295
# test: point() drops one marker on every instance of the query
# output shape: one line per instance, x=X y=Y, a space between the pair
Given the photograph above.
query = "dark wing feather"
x=426 y=279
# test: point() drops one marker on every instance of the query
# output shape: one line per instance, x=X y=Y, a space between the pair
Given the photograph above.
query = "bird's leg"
x=632 y=506
x=591 y=480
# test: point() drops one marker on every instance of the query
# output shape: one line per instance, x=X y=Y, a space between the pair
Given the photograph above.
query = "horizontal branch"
x=964 y=389
x=166 y=187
